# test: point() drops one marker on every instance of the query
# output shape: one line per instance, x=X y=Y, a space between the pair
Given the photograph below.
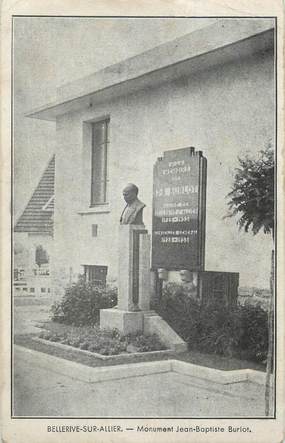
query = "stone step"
x=154 y=324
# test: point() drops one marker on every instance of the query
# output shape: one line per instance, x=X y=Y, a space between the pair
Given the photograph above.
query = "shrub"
x=82 y=302
x=105 y=342
x=254 y=338
x=240 y=331
x=180 y=311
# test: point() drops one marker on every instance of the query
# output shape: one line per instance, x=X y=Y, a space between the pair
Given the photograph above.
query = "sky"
x=51 y=51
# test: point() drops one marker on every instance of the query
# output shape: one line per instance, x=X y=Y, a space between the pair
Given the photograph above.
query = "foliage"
x=179 y=310
x=144 y=343
x=82 y=302
x=252 y=195
x=254 y=337
x=240 y=331
x=105 y=342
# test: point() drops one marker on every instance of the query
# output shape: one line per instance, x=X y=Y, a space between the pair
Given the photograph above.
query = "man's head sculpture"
x=130 y=193
x=133 y=211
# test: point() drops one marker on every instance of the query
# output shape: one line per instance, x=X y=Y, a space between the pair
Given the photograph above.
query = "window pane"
x=96 y=274
x=99 y=162
x=99 y=133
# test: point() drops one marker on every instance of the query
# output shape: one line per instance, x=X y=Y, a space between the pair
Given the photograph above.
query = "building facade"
x=212 y=89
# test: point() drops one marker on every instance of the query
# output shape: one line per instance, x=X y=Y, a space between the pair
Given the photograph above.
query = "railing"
x=22 y=274
x=41 y=271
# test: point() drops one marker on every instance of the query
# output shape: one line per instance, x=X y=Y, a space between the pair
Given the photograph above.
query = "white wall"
x=25 y=249
x=224 y=112
x=25 y=258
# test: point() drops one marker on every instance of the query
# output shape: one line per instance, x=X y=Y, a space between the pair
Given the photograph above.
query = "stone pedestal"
x=134 y=281
x=132 y=314
x=125 y=321
x=144 y=272
x=134 y=264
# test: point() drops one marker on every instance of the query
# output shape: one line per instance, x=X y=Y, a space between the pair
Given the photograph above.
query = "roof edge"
x=201 y=42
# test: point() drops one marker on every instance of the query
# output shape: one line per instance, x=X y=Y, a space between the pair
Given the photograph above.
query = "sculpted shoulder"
x=133 y=211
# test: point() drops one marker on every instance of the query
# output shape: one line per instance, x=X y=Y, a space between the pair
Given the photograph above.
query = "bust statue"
x=133 y=211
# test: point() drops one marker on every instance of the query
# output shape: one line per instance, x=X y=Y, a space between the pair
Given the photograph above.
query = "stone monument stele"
x=179 y=210
x=179 y=226
x=134 y=268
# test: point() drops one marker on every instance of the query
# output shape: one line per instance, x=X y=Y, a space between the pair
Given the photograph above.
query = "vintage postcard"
x=142 y=220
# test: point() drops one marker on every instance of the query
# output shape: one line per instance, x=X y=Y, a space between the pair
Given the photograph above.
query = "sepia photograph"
x=144 y=224
x=144 y=217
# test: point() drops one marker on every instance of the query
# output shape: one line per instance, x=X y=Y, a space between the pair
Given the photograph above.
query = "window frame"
x=91 y=271
x=94 y=201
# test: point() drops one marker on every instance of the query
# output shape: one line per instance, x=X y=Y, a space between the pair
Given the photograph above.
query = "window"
x=100 y=141
x=94 y=230
x=41 y=256
x=95 y=274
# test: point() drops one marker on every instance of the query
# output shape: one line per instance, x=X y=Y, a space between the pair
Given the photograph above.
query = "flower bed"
x=104 y=342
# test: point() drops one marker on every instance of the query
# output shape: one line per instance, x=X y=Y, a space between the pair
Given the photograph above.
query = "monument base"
x=154 y=324
x=126 y=322
x=147 y=322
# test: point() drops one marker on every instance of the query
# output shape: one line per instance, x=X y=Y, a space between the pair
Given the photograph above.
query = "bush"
x=240 y=331
x=254 y=338
x=82 y=302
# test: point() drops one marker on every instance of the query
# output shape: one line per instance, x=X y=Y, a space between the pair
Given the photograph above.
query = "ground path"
x=41 y=390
